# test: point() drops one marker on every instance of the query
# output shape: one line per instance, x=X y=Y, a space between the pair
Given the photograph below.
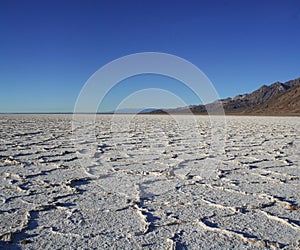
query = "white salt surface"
x=152 y=183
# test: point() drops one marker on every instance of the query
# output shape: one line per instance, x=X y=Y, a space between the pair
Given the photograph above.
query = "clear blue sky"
x=48 y=49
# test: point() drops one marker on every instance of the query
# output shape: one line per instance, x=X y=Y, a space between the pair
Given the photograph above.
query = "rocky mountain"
x=273 y=98
x=260 y=96
x=287 y=103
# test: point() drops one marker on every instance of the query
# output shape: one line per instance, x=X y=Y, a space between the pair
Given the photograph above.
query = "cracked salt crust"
x=161 y=187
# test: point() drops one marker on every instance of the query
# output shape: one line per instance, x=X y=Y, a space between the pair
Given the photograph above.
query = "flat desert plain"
x=149 y=182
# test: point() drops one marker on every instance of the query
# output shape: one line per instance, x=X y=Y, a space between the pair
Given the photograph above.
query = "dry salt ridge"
x=150 y=184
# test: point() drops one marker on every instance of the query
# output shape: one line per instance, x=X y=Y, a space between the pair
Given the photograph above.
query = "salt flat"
x=153 y=182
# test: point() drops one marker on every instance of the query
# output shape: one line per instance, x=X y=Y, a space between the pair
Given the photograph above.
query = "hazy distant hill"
x=132 y=111
x=277 y=98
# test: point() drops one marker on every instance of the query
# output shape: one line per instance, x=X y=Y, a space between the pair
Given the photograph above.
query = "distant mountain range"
x=275 y=99
x=132 y=111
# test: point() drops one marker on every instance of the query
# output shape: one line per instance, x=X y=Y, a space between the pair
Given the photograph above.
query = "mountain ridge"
x=268 y=99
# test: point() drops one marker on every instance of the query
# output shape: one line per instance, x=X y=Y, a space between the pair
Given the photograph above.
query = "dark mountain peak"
x=259 y=100
x=287 y=102
x=264 y=94
x=293 y=83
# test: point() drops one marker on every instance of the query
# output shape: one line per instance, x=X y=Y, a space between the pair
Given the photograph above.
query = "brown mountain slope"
x=286 y=103
x=242 y=103
x=260 y=101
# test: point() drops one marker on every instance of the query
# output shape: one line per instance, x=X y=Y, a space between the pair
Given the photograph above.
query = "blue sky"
x=49 y=49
